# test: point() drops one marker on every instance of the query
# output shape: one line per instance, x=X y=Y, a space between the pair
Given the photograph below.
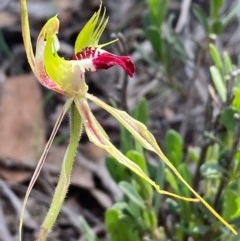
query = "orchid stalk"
x=67 y=77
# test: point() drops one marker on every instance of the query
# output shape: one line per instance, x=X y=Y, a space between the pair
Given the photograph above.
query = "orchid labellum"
x=67 y=77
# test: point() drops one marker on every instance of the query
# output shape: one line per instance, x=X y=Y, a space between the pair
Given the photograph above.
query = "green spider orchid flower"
x=88 y=56
x=68 y=78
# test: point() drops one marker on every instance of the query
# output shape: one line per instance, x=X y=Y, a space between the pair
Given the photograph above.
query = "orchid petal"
x=49 y=29
x=92 y=32
x=98 y=136
x=70 y=78
x=141 y=134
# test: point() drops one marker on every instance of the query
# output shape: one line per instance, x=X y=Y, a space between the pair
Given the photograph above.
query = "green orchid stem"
x=64 y=179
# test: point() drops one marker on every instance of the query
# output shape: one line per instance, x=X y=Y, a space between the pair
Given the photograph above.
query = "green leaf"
x=145 y=188
x=237 y=161
x=193 y=154
x=119 y=226
x=173 y=205
x=137 y=217
x=227 y=119
x=158 y=10
x=150 y=219
x=86 y=230
x=219 y=83
x=178 y=187
x=211 y=170
x=236 y=100
x=132 y=194
x=200 y=229
x=141 y=111
x=174 y=147
x=174 y=47
x=132 y=209
x=186 y=209
x=183 y=169
x=227 y=63
x=138 y=159
x=232 y=13
x=201 y=16
x=231 y=204
x=215 y=7
x=126 y=140
x=157 y=172
x=236 y=238
x=217 y=27
x=146 y=57
x=216 y=57
x=153 y=34
x=163 y=10
x=117 y=171
x=173 y=182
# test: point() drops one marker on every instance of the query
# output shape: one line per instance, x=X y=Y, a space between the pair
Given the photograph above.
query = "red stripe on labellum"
x=86 y=53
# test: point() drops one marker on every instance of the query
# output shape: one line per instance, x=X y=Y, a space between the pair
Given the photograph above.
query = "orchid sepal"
x=99 y=137
x=140 y=132
x=26 y=33
x=42 y=161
